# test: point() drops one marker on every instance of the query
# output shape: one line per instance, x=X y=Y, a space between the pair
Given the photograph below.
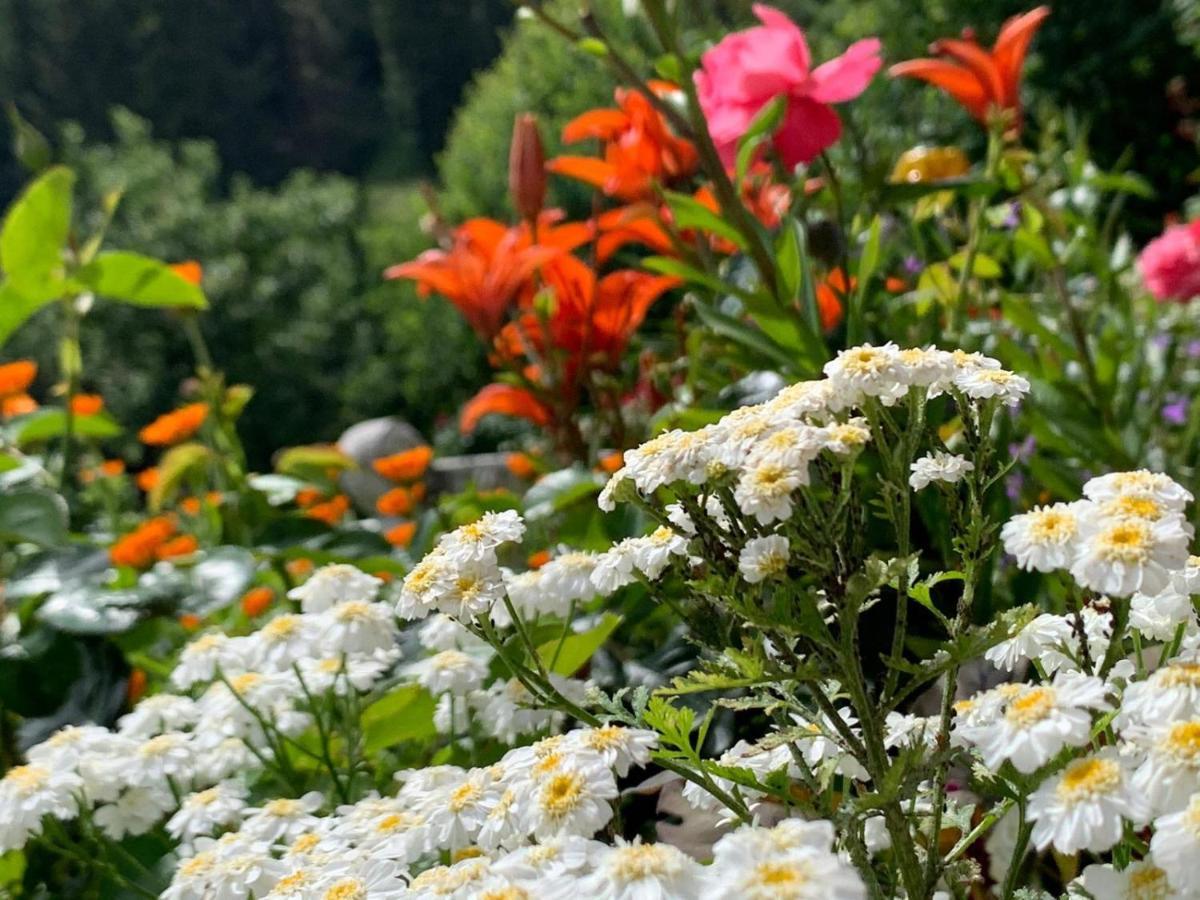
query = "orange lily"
x=490 y=265
x=639 y=148
x=505 y=400
x=982 y=81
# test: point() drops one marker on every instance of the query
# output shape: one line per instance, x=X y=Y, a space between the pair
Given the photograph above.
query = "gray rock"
x=368 y=441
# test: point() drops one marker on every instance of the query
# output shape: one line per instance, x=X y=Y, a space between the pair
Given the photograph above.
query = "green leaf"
x=174 y=467
x=33 y=515
x=32 y=151
x=752 y=338
x=34 y=232
x=405 y=714
x=967 y=186
x=762 y=127
x=15 y=308
x=982 y=267
x=314 y=458
x=577 y=649
x=12 y=869
x=691 y=213
x=665 y=265
x=140 y=280
x=867 y=264
x=51 y=423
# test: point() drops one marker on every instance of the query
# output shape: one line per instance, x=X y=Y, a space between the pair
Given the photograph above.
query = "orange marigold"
x=87 y=404
x=190 y=621
x=147 y=479
x=610 y=462
x=407 y=465
x=298 y=568
x=139 y=548
x=135 y=687
x=401 y=535
x=521 y=465
x=189 y=270
x=175 y=426
x=257 y=601
x=16 y=377
x=309 y=496
x=398 y=501
x=331 y=511
x=539 y=559
x=17 y=405
x=184 y=545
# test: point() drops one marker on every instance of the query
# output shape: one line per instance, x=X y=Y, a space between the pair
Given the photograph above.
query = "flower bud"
x=527 y=168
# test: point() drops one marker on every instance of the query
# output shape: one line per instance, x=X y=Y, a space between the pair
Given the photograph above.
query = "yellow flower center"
x=281 y=627
x=781 y=876
x=466 y=853
x=1148 y=883
x=1183 y=742
x=158 y=746
x=547 y=764
x=605 y=738
x=512 y=892
x=1030 y=707
x=284 y=808
x=1134 y=507
x=854 y=435
x=346 y=889
x=199 y=864
x=464 y=795
x=298 y=879
x=1052 y=526
x=562 y=793
x=244 y=682
x=638 y=861
x=1179 y=675
x=1127 y=542
x=352 y=610
x=304 y=843
x=1087 y=779
x=394 y=822
x=27 y=778
x=206 y=798
x=865 y=361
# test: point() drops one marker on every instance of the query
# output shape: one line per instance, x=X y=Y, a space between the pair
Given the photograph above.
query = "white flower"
x=1170 y=773
x=985 y=384
x=335 y=584
x=669 y=457
x=607 y=499
x=136 y=811
x=395 y=833
x=1054 y=641
x=618 y=747
x=440 y=632
x=355 y=626
x=68 y=747
x=451 y=671
x=201 y=659
x=1176 y=846
x=156 y=714
x=569 y=855
x=925 y=367
x=1187 y=580
x=614 y=568
x=167 y=756
x=362 y=877
x=652 y=553
x=1171 y=693
x=764 y=557
x=871 y=371
x=1045 y=538
x=907 y=730
x=1036 y=722
x=1158 y=617
x=456 y=811
x=223 y=758
x=27 y=793
x=284 y=640
x=1120 y=557
x=795 y=859
x=679 y=517
x=570 y=797
x=477 y=541
x=282 y=819
x=1140 y=483
x=343 y=673
x=1140 y=880
x=205 y=811
x=460 y=881
x=845 y=437
x=1085 y=807
x=765 y=491
x=636 y=871
x=943 y=467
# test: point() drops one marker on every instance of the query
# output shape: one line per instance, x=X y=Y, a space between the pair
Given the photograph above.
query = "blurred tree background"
x=283 y=144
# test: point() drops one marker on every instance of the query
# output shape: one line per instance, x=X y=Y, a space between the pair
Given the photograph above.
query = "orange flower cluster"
x=146 y=479
x=87 y=404
x=407 y=465
x=329 y=511
x=640 y=152
x=401 y=535
x=401 y=500
x=175 y=426
x=193 y=505
x=257 y=601
x=155 y=539
x=15 y=379
x=109 y=468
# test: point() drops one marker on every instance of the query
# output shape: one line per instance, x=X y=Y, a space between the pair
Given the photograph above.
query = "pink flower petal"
x=845 y=77
x=808 y=128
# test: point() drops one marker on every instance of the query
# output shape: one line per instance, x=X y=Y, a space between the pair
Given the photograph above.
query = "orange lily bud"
x=527 y=168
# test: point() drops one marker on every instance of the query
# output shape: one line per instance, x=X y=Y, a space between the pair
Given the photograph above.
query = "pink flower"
x=748 y=69
x=1170 y=264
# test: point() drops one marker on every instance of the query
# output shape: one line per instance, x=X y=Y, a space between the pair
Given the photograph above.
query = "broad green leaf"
x=16 y=308
x=51 y=423
x=34 y=232
x=314 y=457
x=691 y=213
x=8 y=462
x=32 y=151
x=752 y=338
x=405 y=714
x=12 y=869
x=33 y=515
x=665 y=265
x=140 y=280
x=577 y=649
x=983 y=266
x=174 y=467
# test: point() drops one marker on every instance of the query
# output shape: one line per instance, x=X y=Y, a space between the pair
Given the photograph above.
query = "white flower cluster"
x=1128 y=535
x=387 y=848
x=128 y=777
x=1145 y=774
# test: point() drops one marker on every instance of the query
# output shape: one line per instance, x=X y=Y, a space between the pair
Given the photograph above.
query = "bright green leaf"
x=173 y=468
x=34 y=232
x=405 y=714
x=691 y=213
x=577 y=649
x=983 y=265
x=140 y=280
x=51 y=423
x=15 y=308
x=312 y=458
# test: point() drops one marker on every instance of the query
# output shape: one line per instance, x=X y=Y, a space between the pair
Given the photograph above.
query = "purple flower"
x=1193 y=349
x=1175 y=410
x=1012 y=218
x=1161 y=341
x=913 y=265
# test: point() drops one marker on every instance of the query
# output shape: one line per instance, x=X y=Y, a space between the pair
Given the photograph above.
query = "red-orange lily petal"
x=604 y=124
x=504 y=400
x=981 y=80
